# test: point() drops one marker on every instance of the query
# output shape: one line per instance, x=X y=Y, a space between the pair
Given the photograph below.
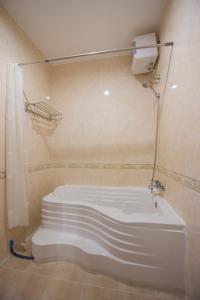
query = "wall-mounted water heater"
x=144 y=59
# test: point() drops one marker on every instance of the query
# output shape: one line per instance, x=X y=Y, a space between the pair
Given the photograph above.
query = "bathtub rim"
x=140 y=219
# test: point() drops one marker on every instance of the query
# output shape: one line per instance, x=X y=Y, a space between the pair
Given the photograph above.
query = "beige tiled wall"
x=99 y=130
x=109 y=177
x=102 y=140
x=179 y=145
x=16 y=47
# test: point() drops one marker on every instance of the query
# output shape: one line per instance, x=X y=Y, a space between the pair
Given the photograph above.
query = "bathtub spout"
x=151 y=187
x=156 y=184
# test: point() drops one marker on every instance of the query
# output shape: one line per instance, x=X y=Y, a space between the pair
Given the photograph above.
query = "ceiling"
x=66 y=27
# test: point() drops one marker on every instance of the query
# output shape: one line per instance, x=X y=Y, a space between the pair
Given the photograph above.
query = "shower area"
x=98 y=125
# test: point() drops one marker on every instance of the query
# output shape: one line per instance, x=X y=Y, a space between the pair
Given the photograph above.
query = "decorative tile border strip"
x=90 y=165
x=31 y=169
x=191 y=183
x=87 y=165
x=40 y=167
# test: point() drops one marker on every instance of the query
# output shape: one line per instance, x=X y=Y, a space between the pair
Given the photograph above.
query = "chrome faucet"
x=157 y=185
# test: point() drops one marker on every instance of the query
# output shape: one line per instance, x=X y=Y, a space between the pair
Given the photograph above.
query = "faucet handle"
x=163 y=187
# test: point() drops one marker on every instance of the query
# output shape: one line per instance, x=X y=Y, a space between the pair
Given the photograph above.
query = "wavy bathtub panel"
x=116 y=231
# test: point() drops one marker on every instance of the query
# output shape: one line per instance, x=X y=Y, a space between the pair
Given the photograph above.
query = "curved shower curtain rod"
x=166 y=44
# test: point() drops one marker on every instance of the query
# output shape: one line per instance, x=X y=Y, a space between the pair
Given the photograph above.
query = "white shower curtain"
x=16 y=178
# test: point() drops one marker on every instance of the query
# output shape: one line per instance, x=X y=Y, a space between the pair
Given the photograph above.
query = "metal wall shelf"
x=43 y=110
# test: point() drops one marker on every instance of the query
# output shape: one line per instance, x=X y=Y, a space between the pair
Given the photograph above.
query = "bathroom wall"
x=179 y=145
x=16 y=47
x=102 y=139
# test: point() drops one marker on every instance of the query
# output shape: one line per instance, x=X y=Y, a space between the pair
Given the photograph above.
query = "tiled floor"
x=25 y=280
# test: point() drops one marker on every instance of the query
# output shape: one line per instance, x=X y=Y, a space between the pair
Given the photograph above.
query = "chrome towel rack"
x=43 y=110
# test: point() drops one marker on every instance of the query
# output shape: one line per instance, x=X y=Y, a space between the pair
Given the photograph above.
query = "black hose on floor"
x=12 y=251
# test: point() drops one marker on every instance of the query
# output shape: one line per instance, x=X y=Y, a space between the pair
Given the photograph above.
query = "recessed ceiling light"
x=174 y=86
x=48 y=97
x=106 y=93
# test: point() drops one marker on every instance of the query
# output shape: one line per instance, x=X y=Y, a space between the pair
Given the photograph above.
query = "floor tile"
x=18 y=285
x=108 y=294
x=25 y=280
x=61 y=290
x=101 y=281
x=47 y=269
x=90 y=293
x=17 y=263
x=69 y=271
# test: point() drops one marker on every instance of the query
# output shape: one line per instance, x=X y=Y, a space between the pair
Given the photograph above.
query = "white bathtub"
x=116 y=231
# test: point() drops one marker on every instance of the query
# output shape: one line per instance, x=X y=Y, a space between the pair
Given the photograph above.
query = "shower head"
x=146 y=84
